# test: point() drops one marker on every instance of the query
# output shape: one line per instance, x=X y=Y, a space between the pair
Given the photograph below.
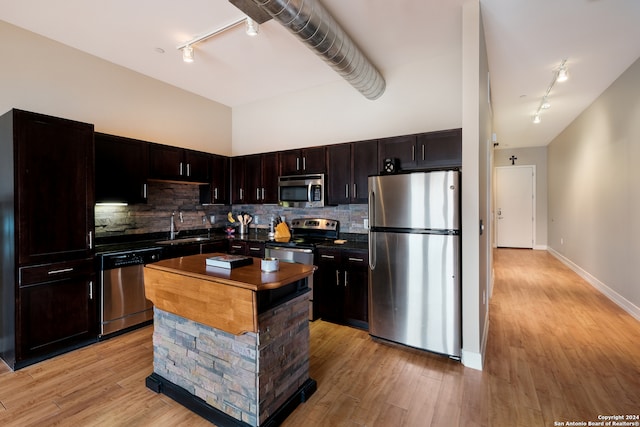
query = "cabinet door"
x=356 y=288
x=290 y=162
x=166 y=162
x=440 y=149
x=121 y=169
x=238 y=189
x=270 y=166
x=338 y=179
x=402 y=148
x=364 y=161
x=55 y=187
x=307 y=160
x=327 y=286
x=220 y=179
x=253 y=178
x=314 y=160
x=197 y=166
x=56 y=315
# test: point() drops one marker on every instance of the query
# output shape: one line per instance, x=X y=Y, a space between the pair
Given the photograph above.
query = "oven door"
x=296 y=256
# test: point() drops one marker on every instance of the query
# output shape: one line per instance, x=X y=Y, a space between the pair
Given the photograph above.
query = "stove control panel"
x=315 y=224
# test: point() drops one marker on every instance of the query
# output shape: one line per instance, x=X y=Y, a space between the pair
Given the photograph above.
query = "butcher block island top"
x=232 y=345
x=226 y=299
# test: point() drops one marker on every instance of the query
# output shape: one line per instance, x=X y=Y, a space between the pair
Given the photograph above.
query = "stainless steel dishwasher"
x=123 y=303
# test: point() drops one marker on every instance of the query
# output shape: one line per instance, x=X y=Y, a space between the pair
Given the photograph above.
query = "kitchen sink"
x=184 y=240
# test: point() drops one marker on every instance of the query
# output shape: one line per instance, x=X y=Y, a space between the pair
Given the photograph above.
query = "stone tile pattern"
x=165 y=198
x=246 y=376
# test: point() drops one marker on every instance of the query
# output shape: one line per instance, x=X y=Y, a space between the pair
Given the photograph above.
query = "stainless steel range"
x=306 y=233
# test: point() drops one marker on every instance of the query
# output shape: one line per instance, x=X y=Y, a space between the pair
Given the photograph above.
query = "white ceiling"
x=526 y=40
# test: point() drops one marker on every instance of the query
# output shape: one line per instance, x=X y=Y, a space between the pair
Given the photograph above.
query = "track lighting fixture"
x=187 y=53
x=560 y=74
x=252 y=27
x=563 y=76
x=187 y=48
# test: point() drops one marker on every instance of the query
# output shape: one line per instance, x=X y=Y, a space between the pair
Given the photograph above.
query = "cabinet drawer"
x=356 y=258
x=56 y=271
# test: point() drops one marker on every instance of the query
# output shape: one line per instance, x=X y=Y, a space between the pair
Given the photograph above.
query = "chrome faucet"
x=172 y=227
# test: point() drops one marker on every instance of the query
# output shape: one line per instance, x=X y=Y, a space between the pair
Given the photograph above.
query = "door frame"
x=534 y=202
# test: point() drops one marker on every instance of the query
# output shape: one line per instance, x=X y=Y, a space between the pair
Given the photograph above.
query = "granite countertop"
x=199 y=236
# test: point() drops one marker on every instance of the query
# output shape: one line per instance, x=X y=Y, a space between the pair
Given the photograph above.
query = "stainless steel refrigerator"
x=414 y=260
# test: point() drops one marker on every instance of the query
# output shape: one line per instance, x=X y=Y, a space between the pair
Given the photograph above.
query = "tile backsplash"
x=166 y=198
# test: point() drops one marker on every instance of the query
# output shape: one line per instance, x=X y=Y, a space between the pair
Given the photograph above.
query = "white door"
x=515 y=201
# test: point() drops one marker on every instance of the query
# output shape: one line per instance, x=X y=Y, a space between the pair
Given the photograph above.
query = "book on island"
x=229 y=261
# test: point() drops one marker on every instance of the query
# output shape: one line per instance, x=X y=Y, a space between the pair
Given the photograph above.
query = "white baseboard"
x=475 y=360
x=540 y=247
x=621 y=301
x=472 y=359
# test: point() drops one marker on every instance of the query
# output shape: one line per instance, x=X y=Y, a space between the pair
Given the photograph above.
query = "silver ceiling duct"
x=312 y=24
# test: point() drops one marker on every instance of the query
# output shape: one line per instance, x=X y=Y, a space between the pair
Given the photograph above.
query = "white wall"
x=336 y=112
x=536 y=156
x=594 y=191
x=40 y=75
x=476 y=131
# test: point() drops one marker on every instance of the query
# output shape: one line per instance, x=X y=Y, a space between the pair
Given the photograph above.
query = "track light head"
x=252 y=27
x=563 y=74
x=187 y=53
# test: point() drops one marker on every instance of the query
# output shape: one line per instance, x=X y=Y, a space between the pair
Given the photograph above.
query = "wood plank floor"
x=557 y=351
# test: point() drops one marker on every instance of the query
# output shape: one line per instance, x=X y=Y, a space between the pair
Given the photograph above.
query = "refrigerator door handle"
x=372 y=222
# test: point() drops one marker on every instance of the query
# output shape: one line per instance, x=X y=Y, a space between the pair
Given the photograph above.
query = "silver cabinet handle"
x=346 y=191
x=304 y=163
x=62 y=270
x=262 y=193
x=188 y=169
x=180 y=168
x=241 y=194
x=422 y=151
x=337 y=278
x=215 y=193
x=90 y=289
x=297 y=163
x=413 y=153
x=91 y=240
x=144 y=191
x=327 y=256
x=355 y=190
x=257 y=193
x=356 y=259
x=345 y=278
x=254 y=249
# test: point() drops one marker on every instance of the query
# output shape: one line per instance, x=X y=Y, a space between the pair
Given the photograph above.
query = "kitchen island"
x=230 y=344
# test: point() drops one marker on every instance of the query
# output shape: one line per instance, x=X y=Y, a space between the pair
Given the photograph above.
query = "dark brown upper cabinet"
x=217 y=192
x=303 y=161
x=121 y=169
x=257 y=175
x=423 y=151
x=179 y=164
x=54 y=184
x=348 y=168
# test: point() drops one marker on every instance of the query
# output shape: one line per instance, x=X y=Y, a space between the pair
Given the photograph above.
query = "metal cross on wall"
x=513 y=160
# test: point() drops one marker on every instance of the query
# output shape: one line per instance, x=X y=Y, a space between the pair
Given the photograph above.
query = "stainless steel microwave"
x=301 y=191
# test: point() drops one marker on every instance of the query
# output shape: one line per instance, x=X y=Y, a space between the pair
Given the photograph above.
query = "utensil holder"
x=243 y=229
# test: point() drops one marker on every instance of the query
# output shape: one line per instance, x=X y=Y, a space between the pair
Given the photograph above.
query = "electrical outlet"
x=562 y=240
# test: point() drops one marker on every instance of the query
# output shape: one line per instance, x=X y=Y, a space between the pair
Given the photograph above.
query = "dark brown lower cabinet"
x=57 y=310
x=341 y=286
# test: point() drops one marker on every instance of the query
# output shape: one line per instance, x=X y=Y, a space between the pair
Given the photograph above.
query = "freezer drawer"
x=414 y=290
